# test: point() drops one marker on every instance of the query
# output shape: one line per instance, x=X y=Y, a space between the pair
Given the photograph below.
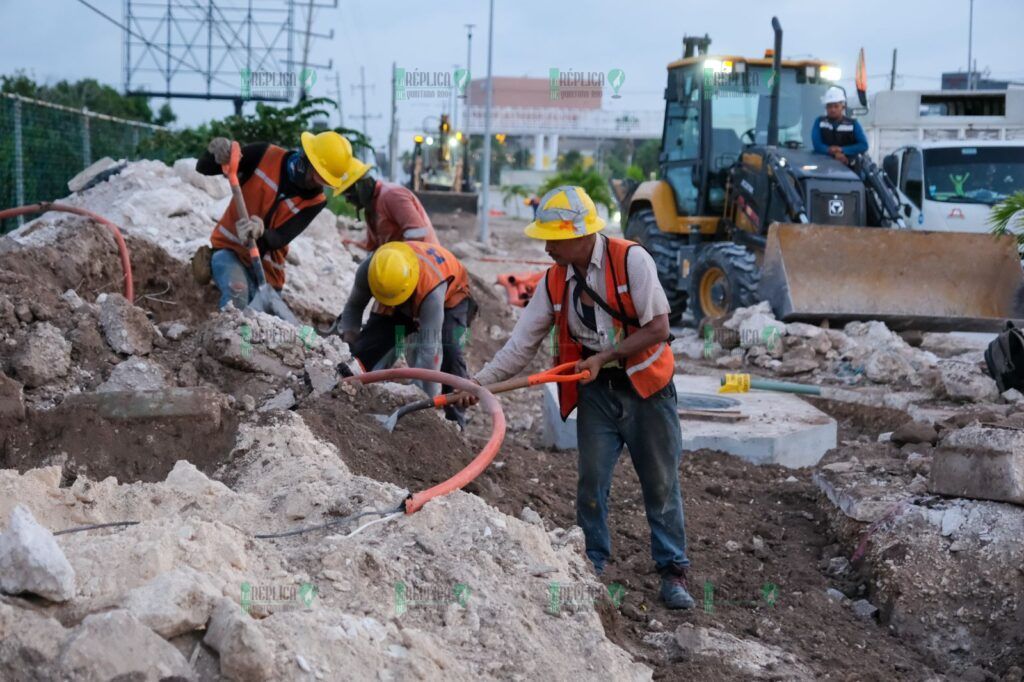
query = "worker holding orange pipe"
x=603 y=298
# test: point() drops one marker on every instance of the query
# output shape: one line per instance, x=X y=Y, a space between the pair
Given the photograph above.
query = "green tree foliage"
x=1008 y=218
x=569 y=160
x=590 y=180
x=89 y=94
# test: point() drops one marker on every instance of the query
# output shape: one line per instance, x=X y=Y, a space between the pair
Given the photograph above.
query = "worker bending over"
x=610 y=314
x=835 y=134
x=283 y=192
x=422 y=299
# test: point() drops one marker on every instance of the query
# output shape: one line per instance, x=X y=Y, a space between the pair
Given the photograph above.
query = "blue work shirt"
x=820 y=147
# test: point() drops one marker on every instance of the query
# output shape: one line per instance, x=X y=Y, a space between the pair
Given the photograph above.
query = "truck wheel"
x=725 y=277
x=664 y=248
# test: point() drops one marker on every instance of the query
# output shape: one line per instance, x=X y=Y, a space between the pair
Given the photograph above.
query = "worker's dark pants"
x=381 y=336
x=235 y=279
x=612 y=414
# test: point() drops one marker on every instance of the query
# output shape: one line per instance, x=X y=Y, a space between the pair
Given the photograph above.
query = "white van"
x=952 y=185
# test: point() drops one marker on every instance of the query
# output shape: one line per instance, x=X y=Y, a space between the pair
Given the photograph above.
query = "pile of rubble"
x=176 y=209
x=861 y=354
x=458 y=590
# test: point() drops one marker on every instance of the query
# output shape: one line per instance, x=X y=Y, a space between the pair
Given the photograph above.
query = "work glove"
x=220 y=147
x=249 y=229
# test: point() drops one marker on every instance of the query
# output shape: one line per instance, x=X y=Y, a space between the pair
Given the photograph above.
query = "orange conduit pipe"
x=416 y=501
x=44 y=206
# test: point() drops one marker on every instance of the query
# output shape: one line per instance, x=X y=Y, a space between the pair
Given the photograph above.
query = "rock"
x=915 y=432
x=126 y=328
x=798 y=349
x=244 y=651
x=12 y=399
x=44 y=356
x=173 y=603
x=214 y=185
x=838 y=565
x=888 y=367
x=32 y=561
x=530 y=516
x=862 y=608
x=965 y=381
x=321 y=375
x=93 y=172
x=730 y=361
x=174 y=331
x=692 y=640
x=285 y=400
x=115 y=644
x=1013 y=396
x=29 y=644
x=248 y=403
x=796 y=366
x=188 y=375
x=73 y=300
x=804 y=330
x=134 y=374
x=918 y=463
x=732 y=546
x=835 y=595
x=980 y=462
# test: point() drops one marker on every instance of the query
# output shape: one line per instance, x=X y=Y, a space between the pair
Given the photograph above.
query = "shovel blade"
x=269 y=301
x=388 y=421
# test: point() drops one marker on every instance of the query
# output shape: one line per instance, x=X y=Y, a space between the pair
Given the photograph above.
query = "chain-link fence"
x=44 y=145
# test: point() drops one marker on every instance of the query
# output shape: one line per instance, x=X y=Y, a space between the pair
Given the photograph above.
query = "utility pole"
x=892 y=73
x=466 y=184
x=970 y=39
x=362 y=87
x=485 y=208
x=337 y=94
x=393 y=132
x=305 y=52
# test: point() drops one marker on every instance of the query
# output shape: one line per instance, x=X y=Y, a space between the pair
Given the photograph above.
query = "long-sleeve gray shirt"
x=424 y=348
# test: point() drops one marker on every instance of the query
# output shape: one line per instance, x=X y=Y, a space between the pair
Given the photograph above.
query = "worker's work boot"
x=674 y=590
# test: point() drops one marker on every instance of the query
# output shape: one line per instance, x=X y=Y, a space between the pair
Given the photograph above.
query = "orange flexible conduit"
x=44 y=206
x=487 y=400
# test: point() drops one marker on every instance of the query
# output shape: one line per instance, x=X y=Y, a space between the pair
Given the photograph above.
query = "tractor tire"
x=664 y=248
x=724 y=277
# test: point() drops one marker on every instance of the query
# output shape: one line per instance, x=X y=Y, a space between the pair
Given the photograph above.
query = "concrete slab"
x=987 y=463
x=779 y=428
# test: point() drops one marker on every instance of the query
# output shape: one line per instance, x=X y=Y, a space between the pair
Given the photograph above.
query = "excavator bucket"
x=938 y=281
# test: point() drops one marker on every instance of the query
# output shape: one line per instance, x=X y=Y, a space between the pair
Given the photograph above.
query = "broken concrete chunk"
x=116 y=645
x=44 y=356
x=29 y=644
x=73 y=300
x=966 y=381
x=798 y=365
x=530 y=516
x=321 y=374
x=214 y=185
x=173 y=603
x=285 y=400
x=987 y=464
x=103 y=168
x=125 y=326
x=134 y=374
x=862 y=608
x=174 y=331
x=32 y=561
x=244 y=651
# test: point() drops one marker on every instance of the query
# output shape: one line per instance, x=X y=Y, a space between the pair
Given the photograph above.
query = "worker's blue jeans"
x=236 y=281
x=611 y=414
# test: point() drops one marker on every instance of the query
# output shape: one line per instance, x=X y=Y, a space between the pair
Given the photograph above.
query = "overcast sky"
x=63 y=39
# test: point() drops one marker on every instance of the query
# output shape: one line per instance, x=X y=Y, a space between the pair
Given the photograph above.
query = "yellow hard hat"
x=566 y=212
x=331 y=156
x=394 y=273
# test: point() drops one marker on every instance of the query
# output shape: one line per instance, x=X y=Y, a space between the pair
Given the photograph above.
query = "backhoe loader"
x=745 y=211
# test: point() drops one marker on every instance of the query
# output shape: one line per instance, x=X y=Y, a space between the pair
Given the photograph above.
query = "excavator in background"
x=744 y=211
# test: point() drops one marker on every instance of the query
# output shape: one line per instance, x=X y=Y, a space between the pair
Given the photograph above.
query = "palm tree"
x=1008 y=218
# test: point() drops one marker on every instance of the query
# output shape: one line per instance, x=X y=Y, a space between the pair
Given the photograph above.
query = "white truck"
x=952 y=154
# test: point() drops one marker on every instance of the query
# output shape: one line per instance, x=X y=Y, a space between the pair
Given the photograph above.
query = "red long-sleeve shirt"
x=397 y=215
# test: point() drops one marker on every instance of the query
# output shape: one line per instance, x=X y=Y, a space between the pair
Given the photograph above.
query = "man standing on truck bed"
x=835 y=134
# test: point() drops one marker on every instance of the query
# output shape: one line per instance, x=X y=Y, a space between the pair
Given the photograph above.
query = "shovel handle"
x=555 y=375
x=231 y=173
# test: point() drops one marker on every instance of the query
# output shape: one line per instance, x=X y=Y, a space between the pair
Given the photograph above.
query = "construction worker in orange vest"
x=283 y=192
x=392 y=212
x=603 y=302
x=422 y=300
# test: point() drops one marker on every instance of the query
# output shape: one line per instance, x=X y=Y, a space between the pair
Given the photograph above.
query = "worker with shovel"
x=603 y=300
x=282 y=192
x=422 y=299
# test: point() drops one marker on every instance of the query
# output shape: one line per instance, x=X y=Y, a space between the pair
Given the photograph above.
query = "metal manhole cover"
x=705 y=401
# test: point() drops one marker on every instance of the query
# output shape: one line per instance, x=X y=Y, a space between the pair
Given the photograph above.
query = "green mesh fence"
x=42 y=146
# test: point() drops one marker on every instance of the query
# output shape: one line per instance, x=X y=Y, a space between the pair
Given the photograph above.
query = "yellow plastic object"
x=331 y=156
x=735 y=383
x=394 y=273
x=566 y=212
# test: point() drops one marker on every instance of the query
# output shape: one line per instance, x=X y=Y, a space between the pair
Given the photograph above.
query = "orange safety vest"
x=262 y=199
x=649 y=370
x=437 y=266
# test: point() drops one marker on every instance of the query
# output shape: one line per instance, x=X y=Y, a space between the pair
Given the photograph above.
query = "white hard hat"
x=834 y=94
